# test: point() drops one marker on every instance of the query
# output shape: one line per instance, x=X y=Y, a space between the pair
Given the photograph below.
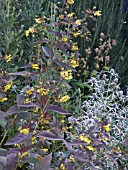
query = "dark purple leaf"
x=54 y=121
x=69 y=146
x=28 y=105
x=21 y=73
x=24 y=149
x=81 y=155
x=3 y=163
x=40 y=42
x=85 y=28
x=49 y=136
x=13 y=150
x=44 y=163
x=18 y=138
x=126 y=142
x=70 y=167
x=63 y=65
x=11 y=161
x=12 y=110
x=57 y=109
x=62 y=48
x=111 y=157
x=92 y=166
x=20 y=98
x=3 y=152
x=48 y=52
x=56 y=33
x=97 y=143
x=1 y=114
x=26 y=66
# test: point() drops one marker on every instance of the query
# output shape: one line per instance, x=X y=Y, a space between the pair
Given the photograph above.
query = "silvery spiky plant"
x=104 y=121
x=108 y=102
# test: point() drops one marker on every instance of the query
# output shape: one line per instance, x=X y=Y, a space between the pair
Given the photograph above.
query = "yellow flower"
x=70 y=2
x=7 y=87
x=107 y=127
x=90 y=148
x=118 y=149
x=73 y=63
x=36 y=109
x=29 y=91
x=78 y=22
x=94 y=7
x=74 y=47
x=85 y=139
x=3 y=99
x=38 y=20
x=45 y=149
x=97 y=13
x=43 y=91
x=71 y=14
x=104 y=139
x=61 y=16
x=64 y=39
x=62 y=167
x=24 y=154
x=81 y=147
x=20 y=127
x=72 y=159
x=76 y=34
x=32 y=30
x=66 y=74
x=40 y=89
x=8 y=58
x=25 y=131
x=27 y=101
x=27 y=33
x=33 y=138
x=35 y=66
x=64 y=98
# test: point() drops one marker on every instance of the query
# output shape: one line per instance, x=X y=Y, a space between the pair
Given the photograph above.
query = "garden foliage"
x=61 y=106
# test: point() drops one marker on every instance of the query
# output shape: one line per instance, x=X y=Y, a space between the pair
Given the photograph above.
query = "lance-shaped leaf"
x=25 y=149
x=18 y=138
x=43 y=163
x=3 y=152
x=56 y=33
x=62 y=48
x=20 y=98
x=40 y=42
x=70 y=167
x=63 y=65
x=12 y=110
x=57 y=109
x=3 y=160
x=49 y=136
x=1 y=114
x=11 y=161
x=67 y=144
x=81 y=156
x=26 y=66
x=31 y=104
x=48 y=52
x=21 y=73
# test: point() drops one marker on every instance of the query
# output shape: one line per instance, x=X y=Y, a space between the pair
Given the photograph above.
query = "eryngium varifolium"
x=104 y=119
